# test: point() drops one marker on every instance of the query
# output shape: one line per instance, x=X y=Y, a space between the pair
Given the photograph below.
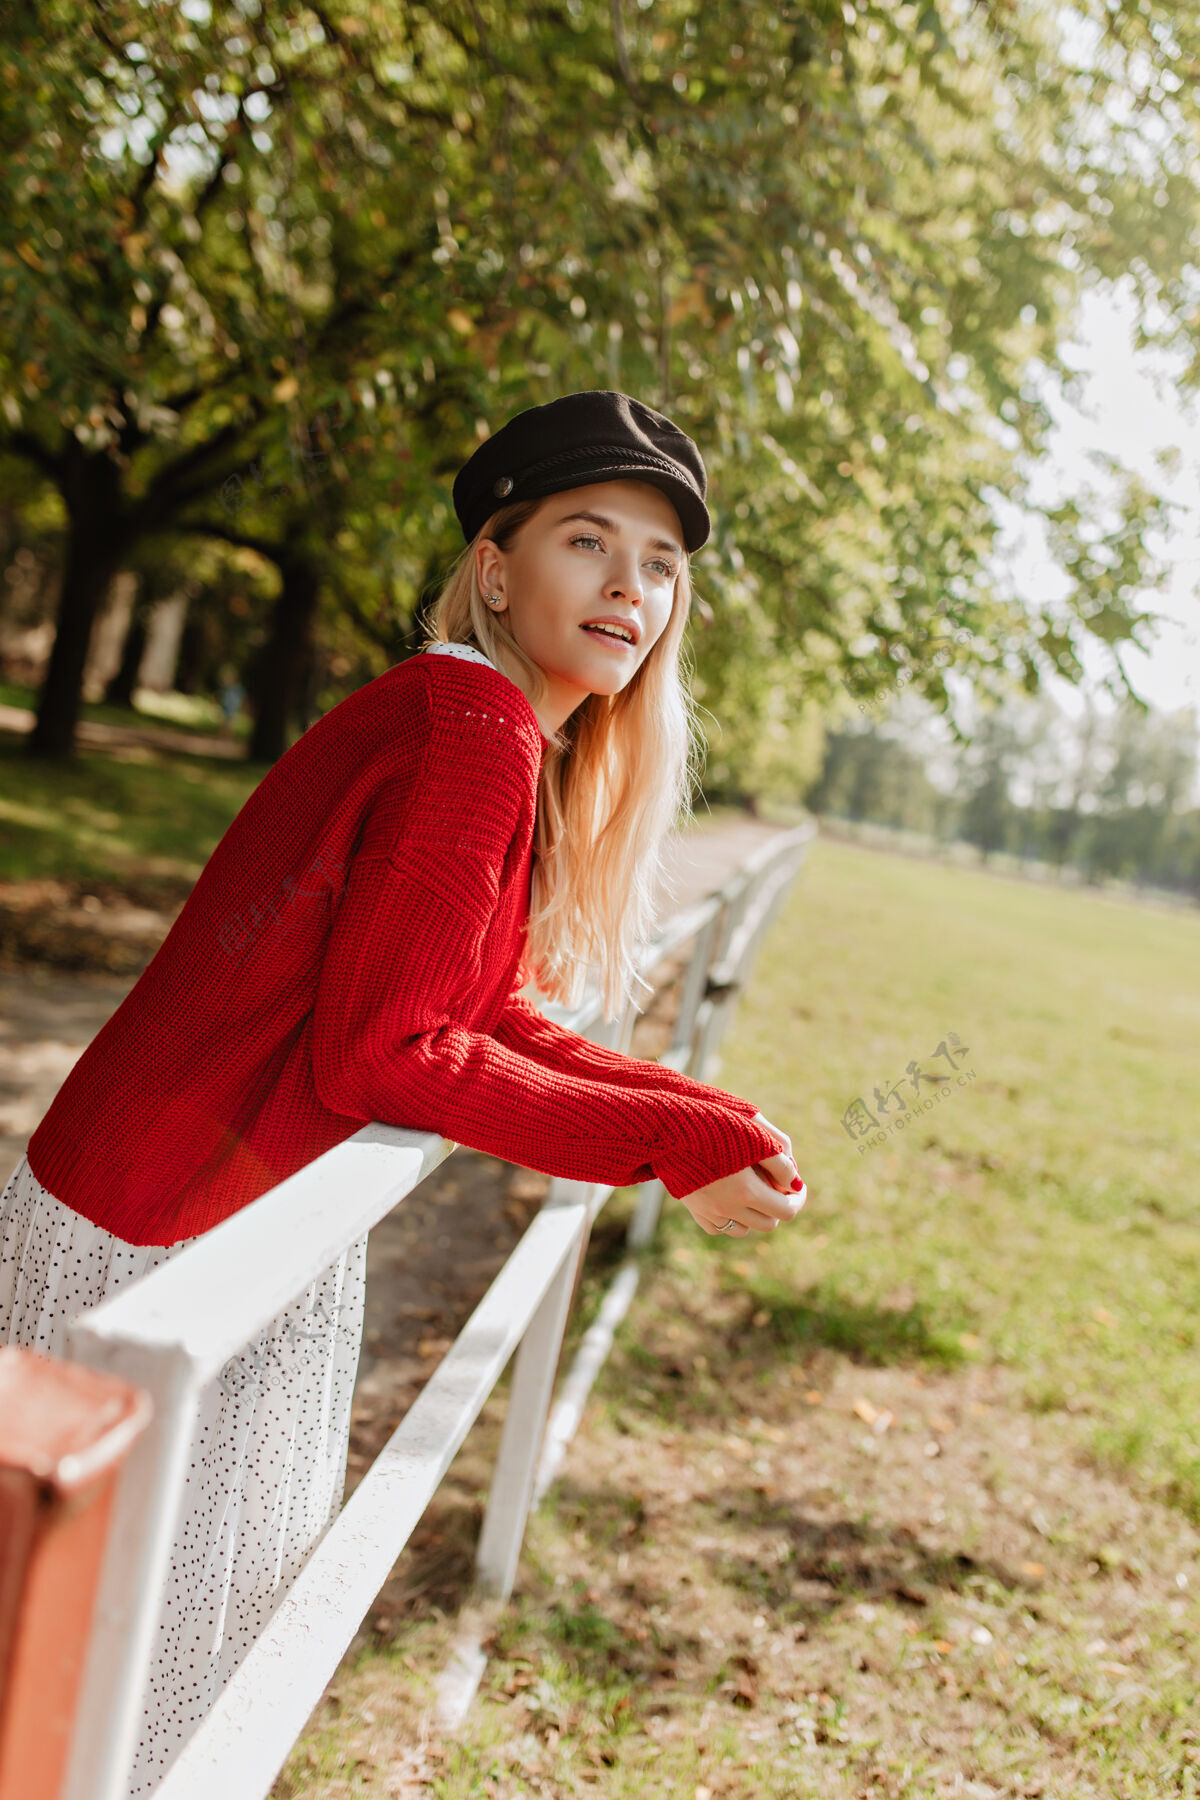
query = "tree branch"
x=189 y=475
x=245 y=540
x=23 y=443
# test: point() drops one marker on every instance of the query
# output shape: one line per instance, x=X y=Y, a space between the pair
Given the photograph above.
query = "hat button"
x=503 y=486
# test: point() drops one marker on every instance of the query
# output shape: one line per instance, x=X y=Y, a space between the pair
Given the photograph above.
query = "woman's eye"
x=588 y=537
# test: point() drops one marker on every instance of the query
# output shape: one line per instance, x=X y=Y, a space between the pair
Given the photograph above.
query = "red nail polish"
x=796 y=1185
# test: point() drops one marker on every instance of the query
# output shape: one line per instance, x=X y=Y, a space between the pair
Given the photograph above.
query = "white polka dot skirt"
x=267 y=1462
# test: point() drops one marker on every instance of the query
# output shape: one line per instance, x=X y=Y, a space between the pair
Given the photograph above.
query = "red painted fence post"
x=64 y=1432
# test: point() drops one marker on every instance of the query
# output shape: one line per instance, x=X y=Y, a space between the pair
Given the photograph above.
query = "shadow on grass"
x=866 y=1332
x=828 y=1564
x=833 y=1561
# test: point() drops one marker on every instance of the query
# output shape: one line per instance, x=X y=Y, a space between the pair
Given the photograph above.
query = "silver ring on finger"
x=728 y=1225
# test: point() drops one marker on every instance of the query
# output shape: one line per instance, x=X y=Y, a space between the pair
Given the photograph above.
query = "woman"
x=353 y=950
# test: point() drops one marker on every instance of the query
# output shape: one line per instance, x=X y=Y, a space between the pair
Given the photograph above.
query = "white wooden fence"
x=164 y=1333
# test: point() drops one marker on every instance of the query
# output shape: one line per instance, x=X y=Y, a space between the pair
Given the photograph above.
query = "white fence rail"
x=164 y=1334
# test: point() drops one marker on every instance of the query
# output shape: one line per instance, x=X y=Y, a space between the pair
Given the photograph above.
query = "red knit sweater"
x=351 y=952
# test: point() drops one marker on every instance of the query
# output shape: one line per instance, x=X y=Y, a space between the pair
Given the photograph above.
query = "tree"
x=814 y=235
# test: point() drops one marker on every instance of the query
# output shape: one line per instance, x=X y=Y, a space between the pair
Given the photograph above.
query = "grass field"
x=143 y=821
x=903 y=1499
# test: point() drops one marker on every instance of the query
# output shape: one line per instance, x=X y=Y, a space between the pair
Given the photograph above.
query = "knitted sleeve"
x=388 y=1038
x=525 y=1027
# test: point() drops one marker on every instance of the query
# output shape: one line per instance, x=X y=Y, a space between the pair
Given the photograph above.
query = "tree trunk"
x=120 y=689
x=94 y=548
x=188 y=672
x=279 y=674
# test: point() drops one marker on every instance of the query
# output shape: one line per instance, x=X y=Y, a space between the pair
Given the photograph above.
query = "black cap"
x=576 y=440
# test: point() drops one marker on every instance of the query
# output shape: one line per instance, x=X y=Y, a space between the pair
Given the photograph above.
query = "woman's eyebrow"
x=610 y=525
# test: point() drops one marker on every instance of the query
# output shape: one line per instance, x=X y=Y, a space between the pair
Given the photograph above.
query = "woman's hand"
x=756 y=1199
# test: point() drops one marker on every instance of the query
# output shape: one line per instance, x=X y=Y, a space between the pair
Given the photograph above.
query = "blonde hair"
x=616 y=782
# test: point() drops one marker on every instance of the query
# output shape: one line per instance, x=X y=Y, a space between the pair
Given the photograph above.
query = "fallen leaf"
x=942 y=1646
x=1033 y=1569
x=813 y=1397
x=866 y=1411
x=746 y=1690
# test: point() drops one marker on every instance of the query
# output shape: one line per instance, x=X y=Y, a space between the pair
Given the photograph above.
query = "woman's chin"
x=607 y=674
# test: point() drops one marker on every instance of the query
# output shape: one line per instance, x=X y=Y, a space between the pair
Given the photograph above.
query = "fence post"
x=64 y=1432
x=535 y=1371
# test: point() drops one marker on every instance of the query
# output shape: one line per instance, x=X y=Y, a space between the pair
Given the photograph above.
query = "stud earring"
x=493 y=599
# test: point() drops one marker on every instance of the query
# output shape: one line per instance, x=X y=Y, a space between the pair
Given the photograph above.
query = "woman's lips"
x=605 y=637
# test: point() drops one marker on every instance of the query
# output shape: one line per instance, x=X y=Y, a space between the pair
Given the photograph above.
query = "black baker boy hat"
x=574 y=441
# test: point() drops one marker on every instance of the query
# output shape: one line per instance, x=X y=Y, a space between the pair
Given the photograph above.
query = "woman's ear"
x=489 y=565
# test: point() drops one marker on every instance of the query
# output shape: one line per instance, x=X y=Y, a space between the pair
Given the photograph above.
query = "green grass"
x=1050 y=1209
x=144 y=819
x=738 y=1587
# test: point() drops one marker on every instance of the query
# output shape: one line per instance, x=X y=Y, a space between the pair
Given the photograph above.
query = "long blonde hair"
x=616 y=782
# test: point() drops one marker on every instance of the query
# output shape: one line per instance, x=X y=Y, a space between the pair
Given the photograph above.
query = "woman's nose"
x=626 y=585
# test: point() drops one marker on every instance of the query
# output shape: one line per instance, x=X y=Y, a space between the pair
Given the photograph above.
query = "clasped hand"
x=757 y=1198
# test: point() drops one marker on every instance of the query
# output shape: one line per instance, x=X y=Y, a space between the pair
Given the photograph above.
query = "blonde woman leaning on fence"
x=354 y=950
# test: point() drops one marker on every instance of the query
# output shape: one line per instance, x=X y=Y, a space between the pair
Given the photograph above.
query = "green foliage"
x=277 y=269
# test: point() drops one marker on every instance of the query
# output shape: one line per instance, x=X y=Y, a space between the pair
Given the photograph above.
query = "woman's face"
x=609 y=551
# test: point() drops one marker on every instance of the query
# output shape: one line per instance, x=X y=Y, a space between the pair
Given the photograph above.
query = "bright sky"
x=1132 y=408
